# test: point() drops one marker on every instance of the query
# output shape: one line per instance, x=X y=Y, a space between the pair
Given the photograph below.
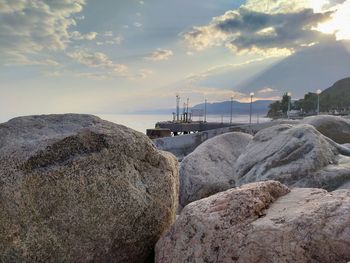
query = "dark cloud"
x=245 y=20
x=245 y=29
x=290 y=30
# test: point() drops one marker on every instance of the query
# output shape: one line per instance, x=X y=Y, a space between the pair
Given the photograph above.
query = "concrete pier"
x=181 y=146
x=188 y=127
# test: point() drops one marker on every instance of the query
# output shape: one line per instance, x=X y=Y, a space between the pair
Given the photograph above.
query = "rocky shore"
x=75 y=188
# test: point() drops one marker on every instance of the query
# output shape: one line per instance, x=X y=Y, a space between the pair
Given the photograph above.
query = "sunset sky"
x=111 y=56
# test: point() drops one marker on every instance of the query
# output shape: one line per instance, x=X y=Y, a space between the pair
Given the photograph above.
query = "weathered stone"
x=183 y=145
x=75 y=188
x=298 y=156
x=347 y=145
x=210 y=168
x=261 y=222
x=335 y=128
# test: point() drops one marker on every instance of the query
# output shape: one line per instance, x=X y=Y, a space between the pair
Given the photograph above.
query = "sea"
x=142 y=122
x=147 y=121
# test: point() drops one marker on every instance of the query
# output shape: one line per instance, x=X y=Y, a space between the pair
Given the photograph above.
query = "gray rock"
x=75 y=188
x=297 y=156
x=210 y=168
x=261 y=222
x=335 y=128
x=183 y=145
x=347 y=145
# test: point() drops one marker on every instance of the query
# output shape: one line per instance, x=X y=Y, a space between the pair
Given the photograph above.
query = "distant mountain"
x=260 y=106
x=316 y=67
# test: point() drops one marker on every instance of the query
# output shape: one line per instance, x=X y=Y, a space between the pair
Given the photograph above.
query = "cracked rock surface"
x=298 y=156
x=210 y=168
x=334 y=127
x=75 y=188
x=261 y=222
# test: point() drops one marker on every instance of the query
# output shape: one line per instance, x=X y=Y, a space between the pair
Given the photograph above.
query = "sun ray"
x=339 y=24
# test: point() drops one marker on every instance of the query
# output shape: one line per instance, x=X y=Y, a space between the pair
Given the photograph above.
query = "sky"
x=114 y=56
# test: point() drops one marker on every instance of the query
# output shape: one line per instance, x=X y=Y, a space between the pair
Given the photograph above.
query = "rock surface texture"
x=335 y=128
x=75 y=188
x=297 y=156
x=261 y=222
x=210 y=168
x=183 y=145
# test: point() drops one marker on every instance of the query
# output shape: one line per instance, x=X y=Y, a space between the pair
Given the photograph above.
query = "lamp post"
x=231 y=109
x=318 y=92
x=289 y=103
x=187 y=114
x=205 y=110
x=251 y=108
x=177 y=107
x=184 y=113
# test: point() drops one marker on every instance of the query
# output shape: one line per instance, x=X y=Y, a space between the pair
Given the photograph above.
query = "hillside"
x=337 y=96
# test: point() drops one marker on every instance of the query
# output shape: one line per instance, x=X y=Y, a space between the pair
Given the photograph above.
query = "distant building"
x=294 y=114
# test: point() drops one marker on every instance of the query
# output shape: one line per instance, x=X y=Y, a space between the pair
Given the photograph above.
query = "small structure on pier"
x=183 y=123
x=158 y=133
x=178 y=128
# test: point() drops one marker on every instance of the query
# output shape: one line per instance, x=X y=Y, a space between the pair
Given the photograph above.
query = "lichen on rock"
x=75 y=188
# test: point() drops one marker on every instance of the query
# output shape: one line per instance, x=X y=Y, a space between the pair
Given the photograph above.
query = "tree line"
x=330 y=100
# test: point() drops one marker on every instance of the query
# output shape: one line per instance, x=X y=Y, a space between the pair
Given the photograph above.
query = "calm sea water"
x=142 y=122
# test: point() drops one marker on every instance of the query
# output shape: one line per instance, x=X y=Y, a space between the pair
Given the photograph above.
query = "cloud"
x=93 y=75
x=279 y=6
x=12 y=6
x=80 y=17
x=212 y=71
x=144 y=73
x=118 y=40
x=107 y=68
x=44 y=62
x=108 y=34
x=214 y=93
x=289 y=6
x=339 y=24
x=278 y=30
x=266 y=90
x=137 y=24
x=160 y=54
x=78 y=36
x=97 y=60
x=53 y=74
x=28 y=27
x=15 y=58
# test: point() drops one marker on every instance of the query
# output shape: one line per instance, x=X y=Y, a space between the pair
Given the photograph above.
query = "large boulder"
x=335 y=128
x=210 y=168
x=297 y=156
x=75 y=188
x=183 y=145
x=261 y=222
